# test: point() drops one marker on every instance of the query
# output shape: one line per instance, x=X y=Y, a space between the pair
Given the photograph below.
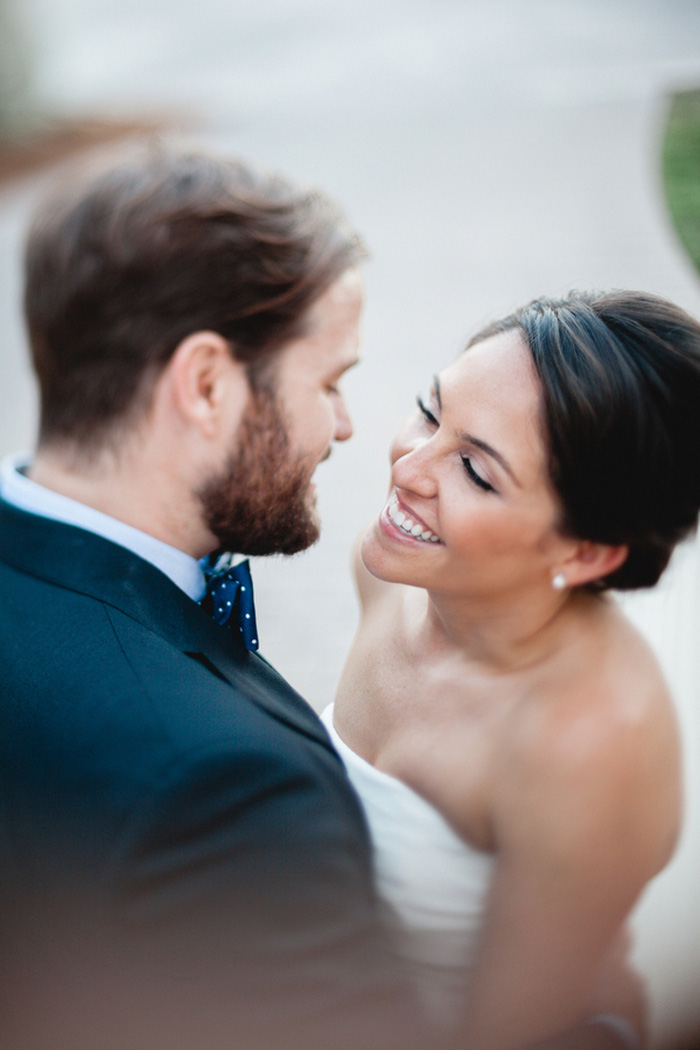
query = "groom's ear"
x=205 y=386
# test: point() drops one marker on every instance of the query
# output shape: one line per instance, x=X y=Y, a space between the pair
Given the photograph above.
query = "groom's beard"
x=260 y=503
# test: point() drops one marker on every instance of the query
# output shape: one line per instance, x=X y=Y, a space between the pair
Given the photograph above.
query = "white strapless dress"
x=435 y=881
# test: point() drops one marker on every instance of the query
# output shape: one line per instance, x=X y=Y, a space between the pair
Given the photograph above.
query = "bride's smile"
x=407 y=521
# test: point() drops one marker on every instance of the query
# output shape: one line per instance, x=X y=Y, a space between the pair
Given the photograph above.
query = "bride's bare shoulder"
x=608 y=674
x=598 y=749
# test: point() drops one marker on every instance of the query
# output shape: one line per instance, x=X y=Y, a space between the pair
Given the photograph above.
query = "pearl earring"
x=559 y=581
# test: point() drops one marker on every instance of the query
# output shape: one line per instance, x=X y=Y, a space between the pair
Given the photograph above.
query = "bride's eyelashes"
x=425 y=412
x=476 y=478
x=432 y=419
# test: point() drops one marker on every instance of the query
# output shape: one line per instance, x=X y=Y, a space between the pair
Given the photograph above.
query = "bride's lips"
x=399 y=521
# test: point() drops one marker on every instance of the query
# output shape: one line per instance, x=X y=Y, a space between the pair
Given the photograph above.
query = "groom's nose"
x=343 y=422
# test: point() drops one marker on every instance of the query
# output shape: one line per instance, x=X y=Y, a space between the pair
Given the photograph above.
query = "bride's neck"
x=501 y=636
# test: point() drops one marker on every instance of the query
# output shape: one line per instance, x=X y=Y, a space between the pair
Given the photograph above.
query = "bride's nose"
x=413 y=464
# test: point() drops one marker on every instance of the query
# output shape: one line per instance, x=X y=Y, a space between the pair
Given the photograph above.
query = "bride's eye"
x=426 y=413
x=476 y=478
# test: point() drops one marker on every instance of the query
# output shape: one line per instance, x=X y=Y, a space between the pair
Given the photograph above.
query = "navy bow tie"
x=229 y=598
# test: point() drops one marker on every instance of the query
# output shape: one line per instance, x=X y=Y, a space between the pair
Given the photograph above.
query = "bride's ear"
x=591 y=561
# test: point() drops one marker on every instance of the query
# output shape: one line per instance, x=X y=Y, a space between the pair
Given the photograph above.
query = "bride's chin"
x=371 y=551
x=376 y=558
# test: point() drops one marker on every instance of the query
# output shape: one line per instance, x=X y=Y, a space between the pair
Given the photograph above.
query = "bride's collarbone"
x=434 y=726
x=401 y=669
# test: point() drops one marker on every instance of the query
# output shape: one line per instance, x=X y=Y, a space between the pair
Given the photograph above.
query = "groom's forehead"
x=330 y=342
x=310 y=364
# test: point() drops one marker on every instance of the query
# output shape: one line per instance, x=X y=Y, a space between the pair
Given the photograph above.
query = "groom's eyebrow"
x=469 y=439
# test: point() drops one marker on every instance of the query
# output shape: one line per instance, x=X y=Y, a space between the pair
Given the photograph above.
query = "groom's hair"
x=125 y=264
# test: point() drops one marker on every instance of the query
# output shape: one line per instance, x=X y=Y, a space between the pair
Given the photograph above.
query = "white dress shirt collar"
x=16 y=488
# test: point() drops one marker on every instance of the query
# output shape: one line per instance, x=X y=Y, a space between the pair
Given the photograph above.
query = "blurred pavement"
x=488 y=152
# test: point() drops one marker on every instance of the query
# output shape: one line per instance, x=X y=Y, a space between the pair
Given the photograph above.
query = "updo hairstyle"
x=620 y=379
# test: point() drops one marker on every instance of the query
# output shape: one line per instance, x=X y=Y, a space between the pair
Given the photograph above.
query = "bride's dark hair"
x=620 y=378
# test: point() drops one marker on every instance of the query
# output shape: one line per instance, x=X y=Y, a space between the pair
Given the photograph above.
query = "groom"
x=182 y=862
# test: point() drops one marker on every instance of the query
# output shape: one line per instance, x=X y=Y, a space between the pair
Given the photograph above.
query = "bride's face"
x=471 y=509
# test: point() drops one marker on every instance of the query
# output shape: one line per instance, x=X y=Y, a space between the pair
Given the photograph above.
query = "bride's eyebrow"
x=469 y=439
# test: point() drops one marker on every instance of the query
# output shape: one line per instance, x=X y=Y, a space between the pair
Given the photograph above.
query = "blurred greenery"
x=16 y=71
x=681 y=169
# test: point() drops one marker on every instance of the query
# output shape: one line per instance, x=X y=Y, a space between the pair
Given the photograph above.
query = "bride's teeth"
x=409 y=526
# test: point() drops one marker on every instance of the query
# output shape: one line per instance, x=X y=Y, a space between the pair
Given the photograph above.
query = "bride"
x=508 y=730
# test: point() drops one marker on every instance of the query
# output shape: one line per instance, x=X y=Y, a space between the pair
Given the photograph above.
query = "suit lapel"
x=80 y=561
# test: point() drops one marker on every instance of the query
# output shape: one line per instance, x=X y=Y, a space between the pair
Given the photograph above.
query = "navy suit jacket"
x=182 y=860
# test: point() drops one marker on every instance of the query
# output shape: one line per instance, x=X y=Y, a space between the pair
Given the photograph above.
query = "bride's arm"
x=586 y=813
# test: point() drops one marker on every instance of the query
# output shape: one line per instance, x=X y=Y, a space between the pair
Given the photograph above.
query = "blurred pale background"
x=489 y=152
